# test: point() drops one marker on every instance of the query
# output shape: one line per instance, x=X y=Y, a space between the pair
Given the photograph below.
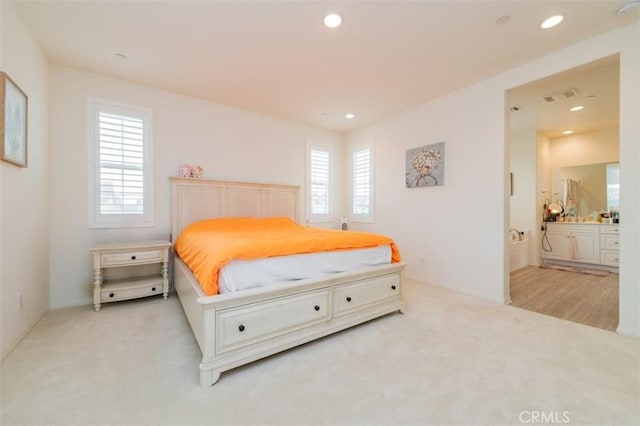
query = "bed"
x=236 y=328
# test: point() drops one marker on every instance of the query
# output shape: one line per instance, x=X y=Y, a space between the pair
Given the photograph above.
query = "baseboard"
x=611 y=269
x=628 y=333
x=22 y=335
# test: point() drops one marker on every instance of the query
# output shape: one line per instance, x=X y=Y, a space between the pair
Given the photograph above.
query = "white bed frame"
x=233 y=329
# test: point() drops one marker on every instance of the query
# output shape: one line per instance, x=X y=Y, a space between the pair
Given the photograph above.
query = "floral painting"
x=425 y=166
x=13 y=122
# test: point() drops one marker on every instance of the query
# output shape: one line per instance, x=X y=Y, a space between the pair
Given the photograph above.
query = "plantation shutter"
x=121 y=162
x=361 y=182
x=319 y=181
x=120 y=165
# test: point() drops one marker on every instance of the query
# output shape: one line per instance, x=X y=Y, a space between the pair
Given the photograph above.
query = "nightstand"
x=128 y=257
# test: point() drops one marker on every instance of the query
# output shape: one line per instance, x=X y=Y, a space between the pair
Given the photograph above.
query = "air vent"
x=570 y=93
x=560 y=96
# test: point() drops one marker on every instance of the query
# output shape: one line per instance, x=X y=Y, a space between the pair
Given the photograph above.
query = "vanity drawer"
x=573 y=227
x=609 y=242
x=134 y=257
x=610 y=229
x=245 y=325
x=350 y=297
x=610 y=258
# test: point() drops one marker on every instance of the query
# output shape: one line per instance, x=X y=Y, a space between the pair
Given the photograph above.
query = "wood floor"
x=583 y=298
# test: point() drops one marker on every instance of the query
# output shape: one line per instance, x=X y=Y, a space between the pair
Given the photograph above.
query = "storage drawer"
x=573 y=227
x=610 y=258
x=129 y=290
x=124 y=258
x=350 y=297
x=609 y=242
x=610 y=229
x=245 y=325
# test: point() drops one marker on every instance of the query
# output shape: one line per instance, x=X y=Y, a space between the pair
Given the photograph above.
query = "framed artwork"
x=425 y=166
x=13 y=122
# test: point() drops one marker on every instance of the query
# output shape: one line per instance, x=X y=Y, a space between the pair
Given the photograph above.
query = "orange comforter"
x=207 y=245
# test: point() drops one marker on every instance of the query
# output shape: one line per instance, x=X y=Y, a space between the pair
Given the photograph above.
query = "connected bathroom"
x=564 y=193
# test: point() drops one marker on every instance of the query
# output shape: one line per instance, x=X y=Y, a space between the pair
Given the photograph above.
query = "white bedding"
x=243 y=274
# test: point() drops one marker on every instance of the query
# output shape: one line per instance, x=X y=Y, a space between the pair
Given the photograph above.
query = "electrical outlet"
x=422 y=261
x=20 y=304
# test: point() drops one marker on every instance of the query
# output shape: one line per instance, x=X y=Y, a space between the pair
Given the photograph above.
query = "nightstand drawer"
x=131 y=257
x=130 y=260
x=130 y=289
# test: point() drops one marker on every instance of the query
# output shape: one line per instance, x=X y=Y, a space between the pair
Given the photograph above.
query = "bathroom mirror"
x=597 y=187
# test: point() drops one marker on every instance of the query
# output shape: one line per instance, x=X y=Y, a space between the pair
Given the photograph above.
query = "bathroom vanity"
x=590 y=243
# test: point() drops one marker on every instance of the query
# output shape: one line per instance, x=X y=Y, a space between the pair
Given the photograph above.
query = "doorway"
x=585 y=102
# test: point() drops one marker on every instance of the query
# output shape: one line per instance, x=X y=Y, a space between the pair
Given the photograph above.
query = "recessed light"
x=576 y=108
x=567 y=132
x=551 y=22
x=333 y=20
x=349 y=115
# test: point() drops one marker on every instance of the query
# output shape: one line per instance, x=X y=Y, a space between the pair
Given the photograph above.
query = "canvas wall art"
x=425 y=166
x=13 y=122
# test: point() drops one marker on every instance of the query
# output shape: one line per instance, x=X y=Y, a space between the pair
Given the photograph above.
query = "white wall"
x=24 y=239
x=598 y=146
x=543 y=188
x=630 y=184
x=460 y=229
x=230 y=144
x=523 y=202
x=451 y=235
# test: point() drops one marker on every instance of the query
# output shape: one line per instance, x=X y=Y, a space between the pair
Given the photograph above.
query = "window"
x=362 y=184
x=120 y=165
x=319 y=182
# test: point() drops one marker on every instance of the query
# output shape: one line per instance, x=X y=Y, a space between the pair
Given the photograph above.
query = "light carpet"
x=451 y=359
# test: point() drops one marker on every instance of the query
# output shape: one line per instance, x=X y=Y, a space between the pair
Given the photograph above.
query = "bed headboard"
x=197 y=199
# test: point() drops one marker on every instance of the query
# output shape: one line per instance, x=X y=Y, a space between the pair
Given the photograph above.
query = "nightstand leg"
x=97 y=285
x=165 y=279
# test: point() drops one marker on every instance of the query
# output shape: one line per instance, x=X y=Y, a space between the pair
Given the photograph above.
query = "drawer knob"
x=133 y=258
x=317 y=308
x=111 y=294
x=241 y=328
x=393 y=287
x=348 y=298
x=153 y=289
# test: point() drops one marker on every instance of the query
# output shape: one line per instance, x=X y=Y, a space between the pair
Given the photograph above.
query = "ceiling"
x=277 y=58
x=595 y=86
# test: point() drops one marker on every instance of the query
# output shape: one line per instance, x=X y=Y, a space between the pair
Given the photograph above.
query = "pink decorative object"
x=184 y=170
x=189 y=171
